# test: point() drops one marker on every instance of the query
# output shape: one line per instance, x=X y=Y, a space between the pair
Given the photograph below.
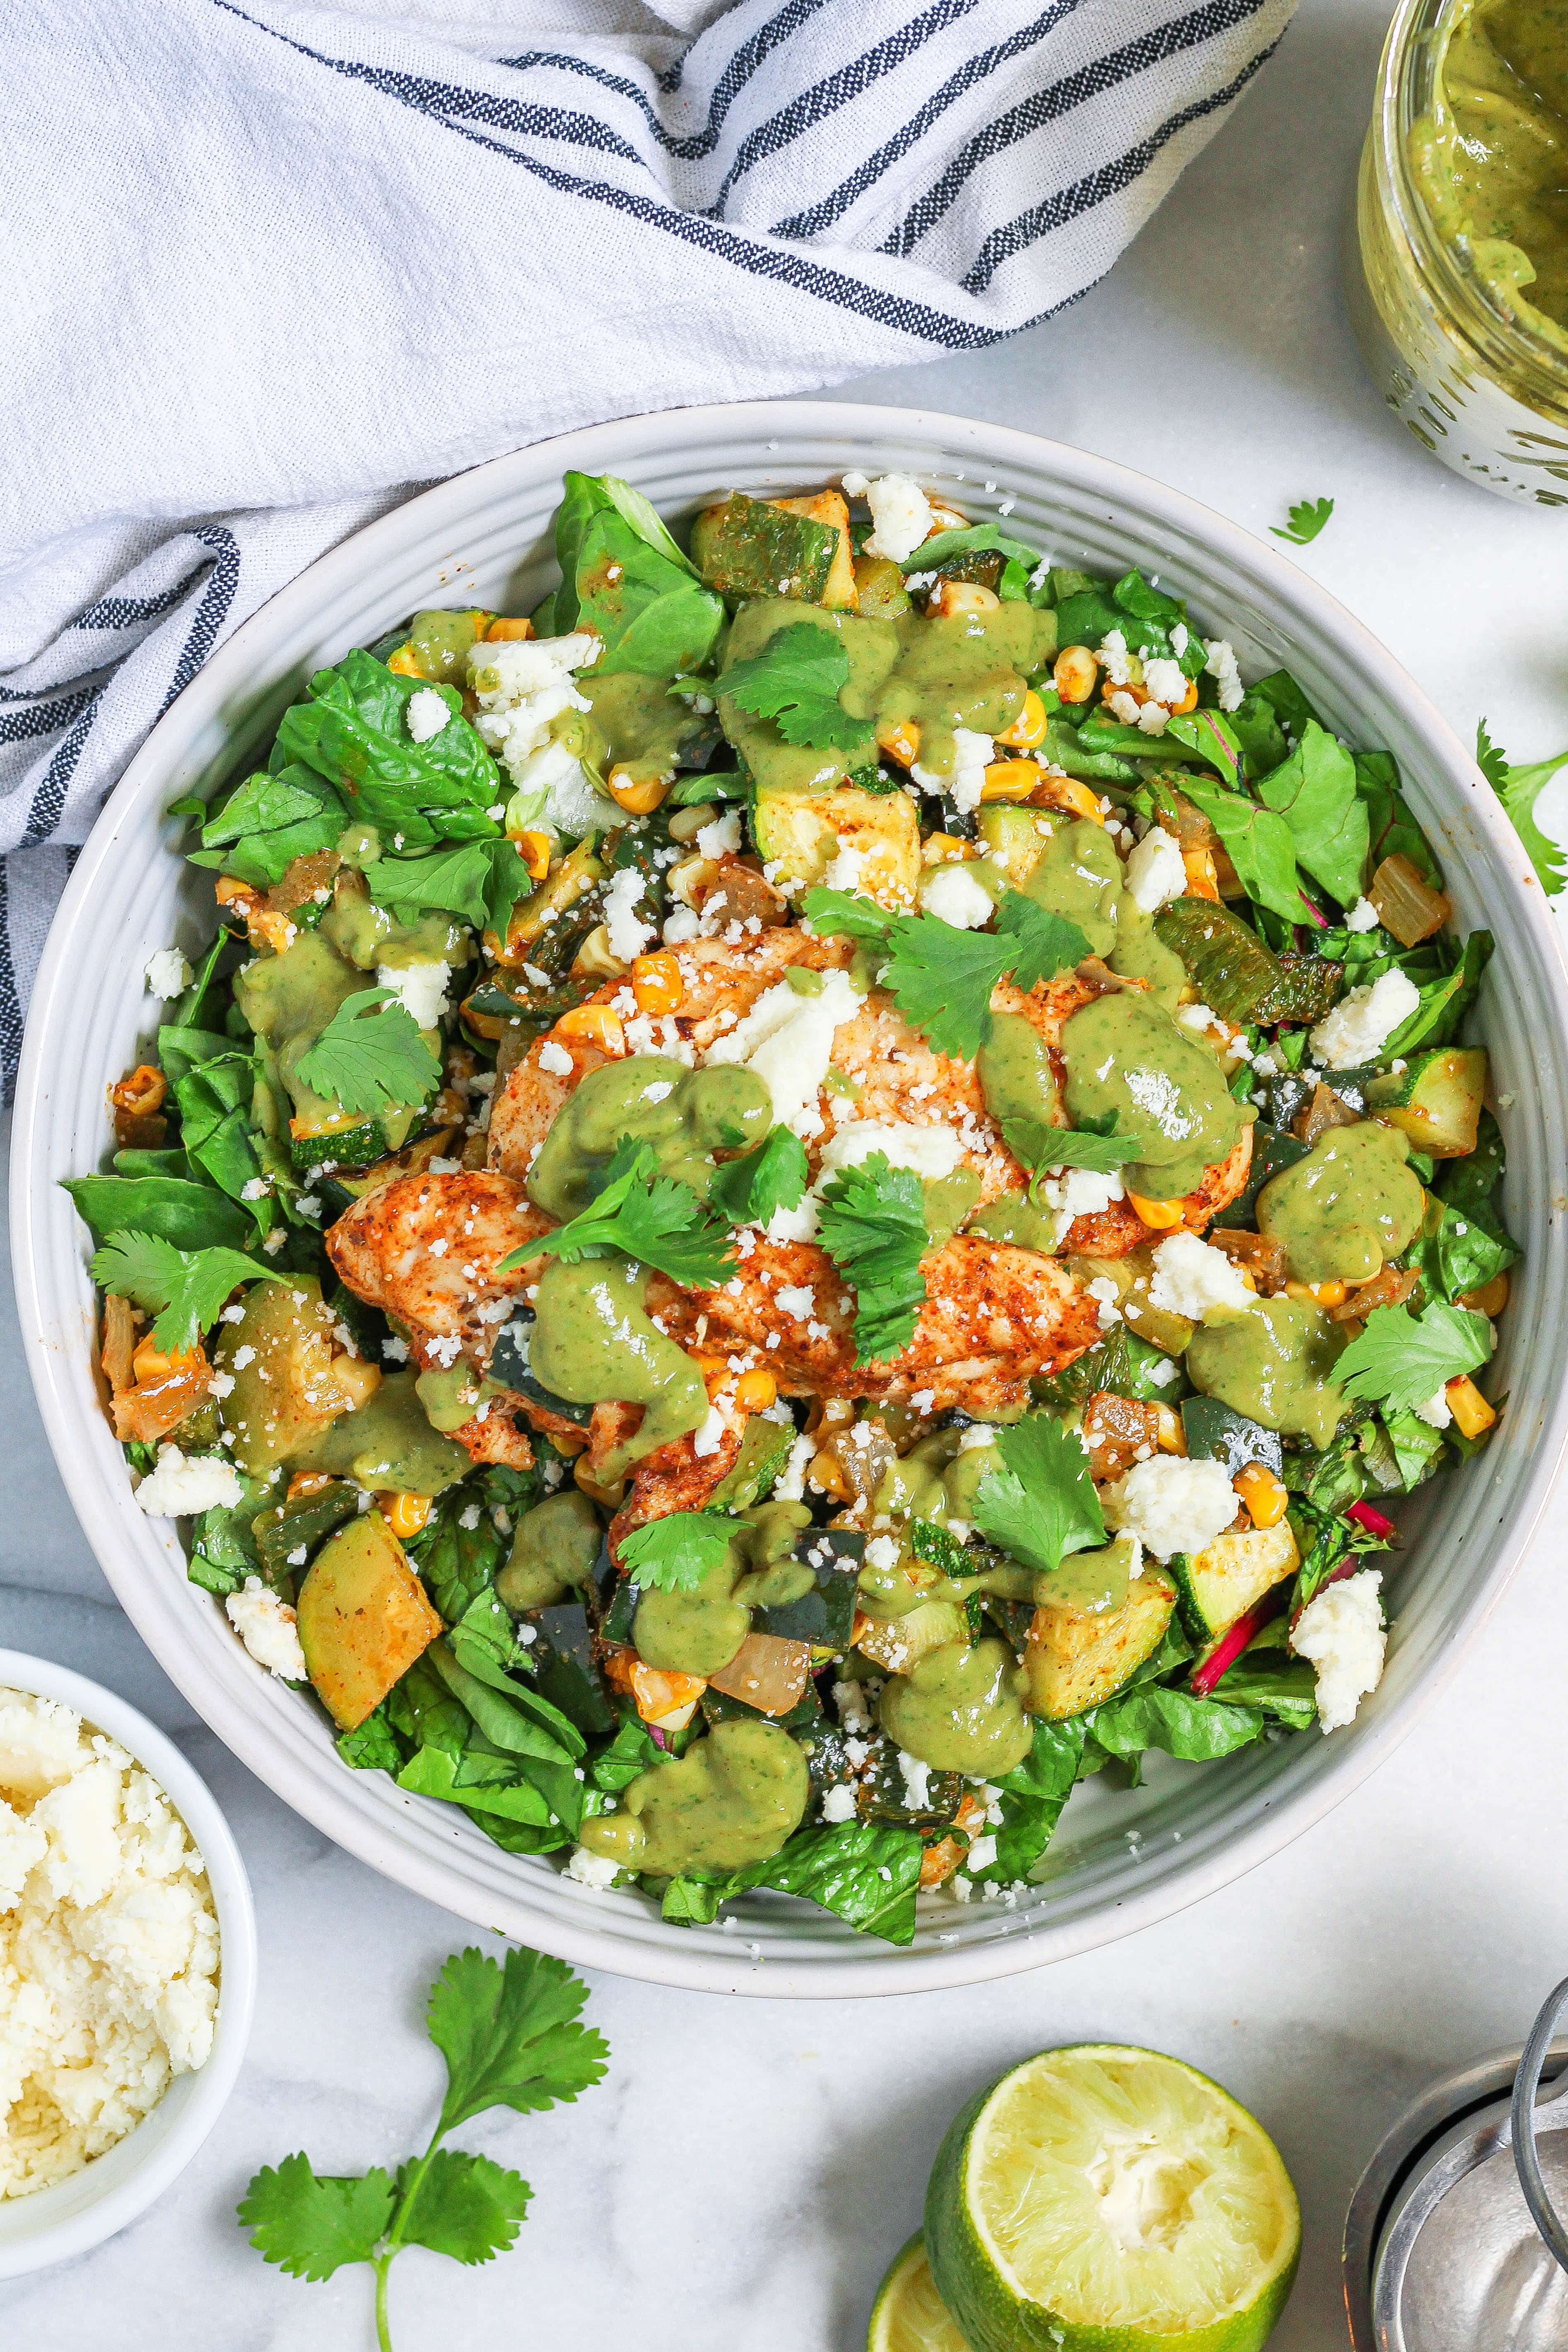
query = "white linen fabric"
x=271 y=267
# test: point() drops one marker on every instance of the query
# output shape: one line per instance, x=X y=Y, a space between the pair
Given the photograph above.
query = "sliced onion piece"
x=1407 y=904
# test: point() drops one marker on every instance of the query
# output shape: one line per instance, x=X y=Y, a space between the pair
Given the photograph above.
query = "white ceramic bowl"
x=484 y=539
x=53 y=2225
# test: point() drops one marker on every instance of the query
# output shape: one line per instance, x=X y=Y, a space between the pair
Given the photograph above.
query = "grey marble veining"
x=747 y=2169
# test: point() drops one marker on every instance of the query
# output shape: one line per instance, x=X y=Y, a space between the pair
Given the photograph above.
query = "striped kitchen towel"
x=270 y=266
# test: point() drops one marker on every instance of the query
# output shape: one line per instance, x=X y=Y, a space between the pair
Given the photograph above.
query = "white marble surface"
x=747 y=2169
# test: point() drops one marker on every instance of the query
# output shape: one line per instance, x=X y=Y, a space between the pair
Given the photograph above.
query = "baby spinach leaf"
x=481 y=880
x=1196 y=1729
x=864 y=1872
x=1259 y=843
x=268 y=821
x=353 y=731
x=646 y=607
x=1314 y=790
x=193 y=1216
x=975 y=539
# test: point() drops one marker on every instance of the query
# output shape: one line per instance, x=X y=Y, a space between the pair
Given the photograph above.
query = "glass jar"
x=1473 y=384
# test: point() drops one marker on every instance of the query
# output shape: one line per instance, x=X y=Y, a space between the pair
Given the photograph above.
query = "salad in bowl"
x=804 y=1197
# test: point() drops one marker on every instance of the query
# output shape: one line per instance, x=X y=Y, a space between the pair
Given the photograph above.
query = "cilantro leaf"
x=311 y=2224
x=462 y=2205
x=1519 y=789
x=1259 y=843
x=656 y=1219
x=675 y=1553
x=873 y=1227
x=481 y=880
x=1042 y=1505
x=845 y=914
x=1307 y=519
x=509 y=2034
x=1039 y=1145
x=941 y=977
x=1403 y=1359
x=510 y=2038
x=189 y=1286
x=1043 y=944
x=371 y=1060
x=795 y=680
x=1314 y=790
x=774 y=1175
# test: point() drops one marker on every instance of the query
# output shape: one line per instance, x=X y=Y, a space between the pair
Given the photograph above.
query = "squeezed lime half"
x=908 y=2315
x=1098 y=2198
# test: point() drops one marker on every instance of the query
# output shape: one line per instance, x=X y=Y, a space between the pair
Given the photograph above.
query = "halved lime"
x=1102 y=2199
x=908 y=2315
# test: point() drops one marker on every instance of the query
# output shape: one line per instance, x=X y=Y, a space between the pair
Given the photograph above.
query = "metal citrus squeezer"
x=1454 y=2241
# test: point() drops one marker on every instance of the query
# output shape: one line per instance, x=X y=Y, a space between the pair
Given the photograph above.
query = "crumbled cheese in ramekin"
x=108 y=1943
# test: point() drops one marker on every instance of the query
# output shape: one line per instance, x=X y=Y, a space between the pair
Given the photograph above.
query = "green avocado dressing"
x=1078 y=875
x=554 y=1550
x=733 y=1799
x=685 y=1115
x=368 y=936
x=1348 y=1206
x=698 y=1631
x=968 y=669
x=1491 y=158
x=1275 y=1363
x=442 y=642
x=288 y=999
x=388 y=1443
x=593 y=1341
x=1125 y=1054
x=639 y=724
x=960 y=1709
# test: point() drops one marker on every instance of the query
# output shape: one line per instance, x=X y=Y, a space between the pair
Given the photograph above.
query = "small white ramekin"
x=55 y=2223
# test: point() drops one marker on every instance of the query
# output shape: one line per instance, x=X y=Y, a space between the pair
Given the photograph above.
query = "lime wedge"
x=908 y=2315
x=1104 y=2200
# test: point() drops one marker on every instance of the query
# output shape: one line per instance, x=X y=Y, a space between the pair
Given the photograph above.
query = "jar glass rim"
x=1407 y=89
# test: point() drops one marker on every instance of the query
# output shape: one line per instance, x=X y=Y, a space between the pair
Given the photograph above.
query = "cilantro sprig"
x=509 y=2038
x=655 y=1219
x=1041 y=1146
x=185 y=1288
x=1519 y=789
x=675 y=1553
x=941 y=977
x=795 y=681
x=872 y=1224
x=1307 y=519
x=371 y=1055
x=774 y=1175
x=1403 y=1359
x=1041 y=1505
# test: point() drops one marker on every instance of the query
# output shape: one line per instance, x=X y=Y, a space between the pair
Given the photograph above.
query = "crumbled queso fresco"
x=108 y=1943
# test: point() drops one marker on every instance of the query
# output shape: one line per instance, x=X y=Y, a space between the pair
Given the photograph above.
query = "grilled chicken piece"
x=993 y=1316
x=425 y=1248
x=899 y=1077
x=675 y=1479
